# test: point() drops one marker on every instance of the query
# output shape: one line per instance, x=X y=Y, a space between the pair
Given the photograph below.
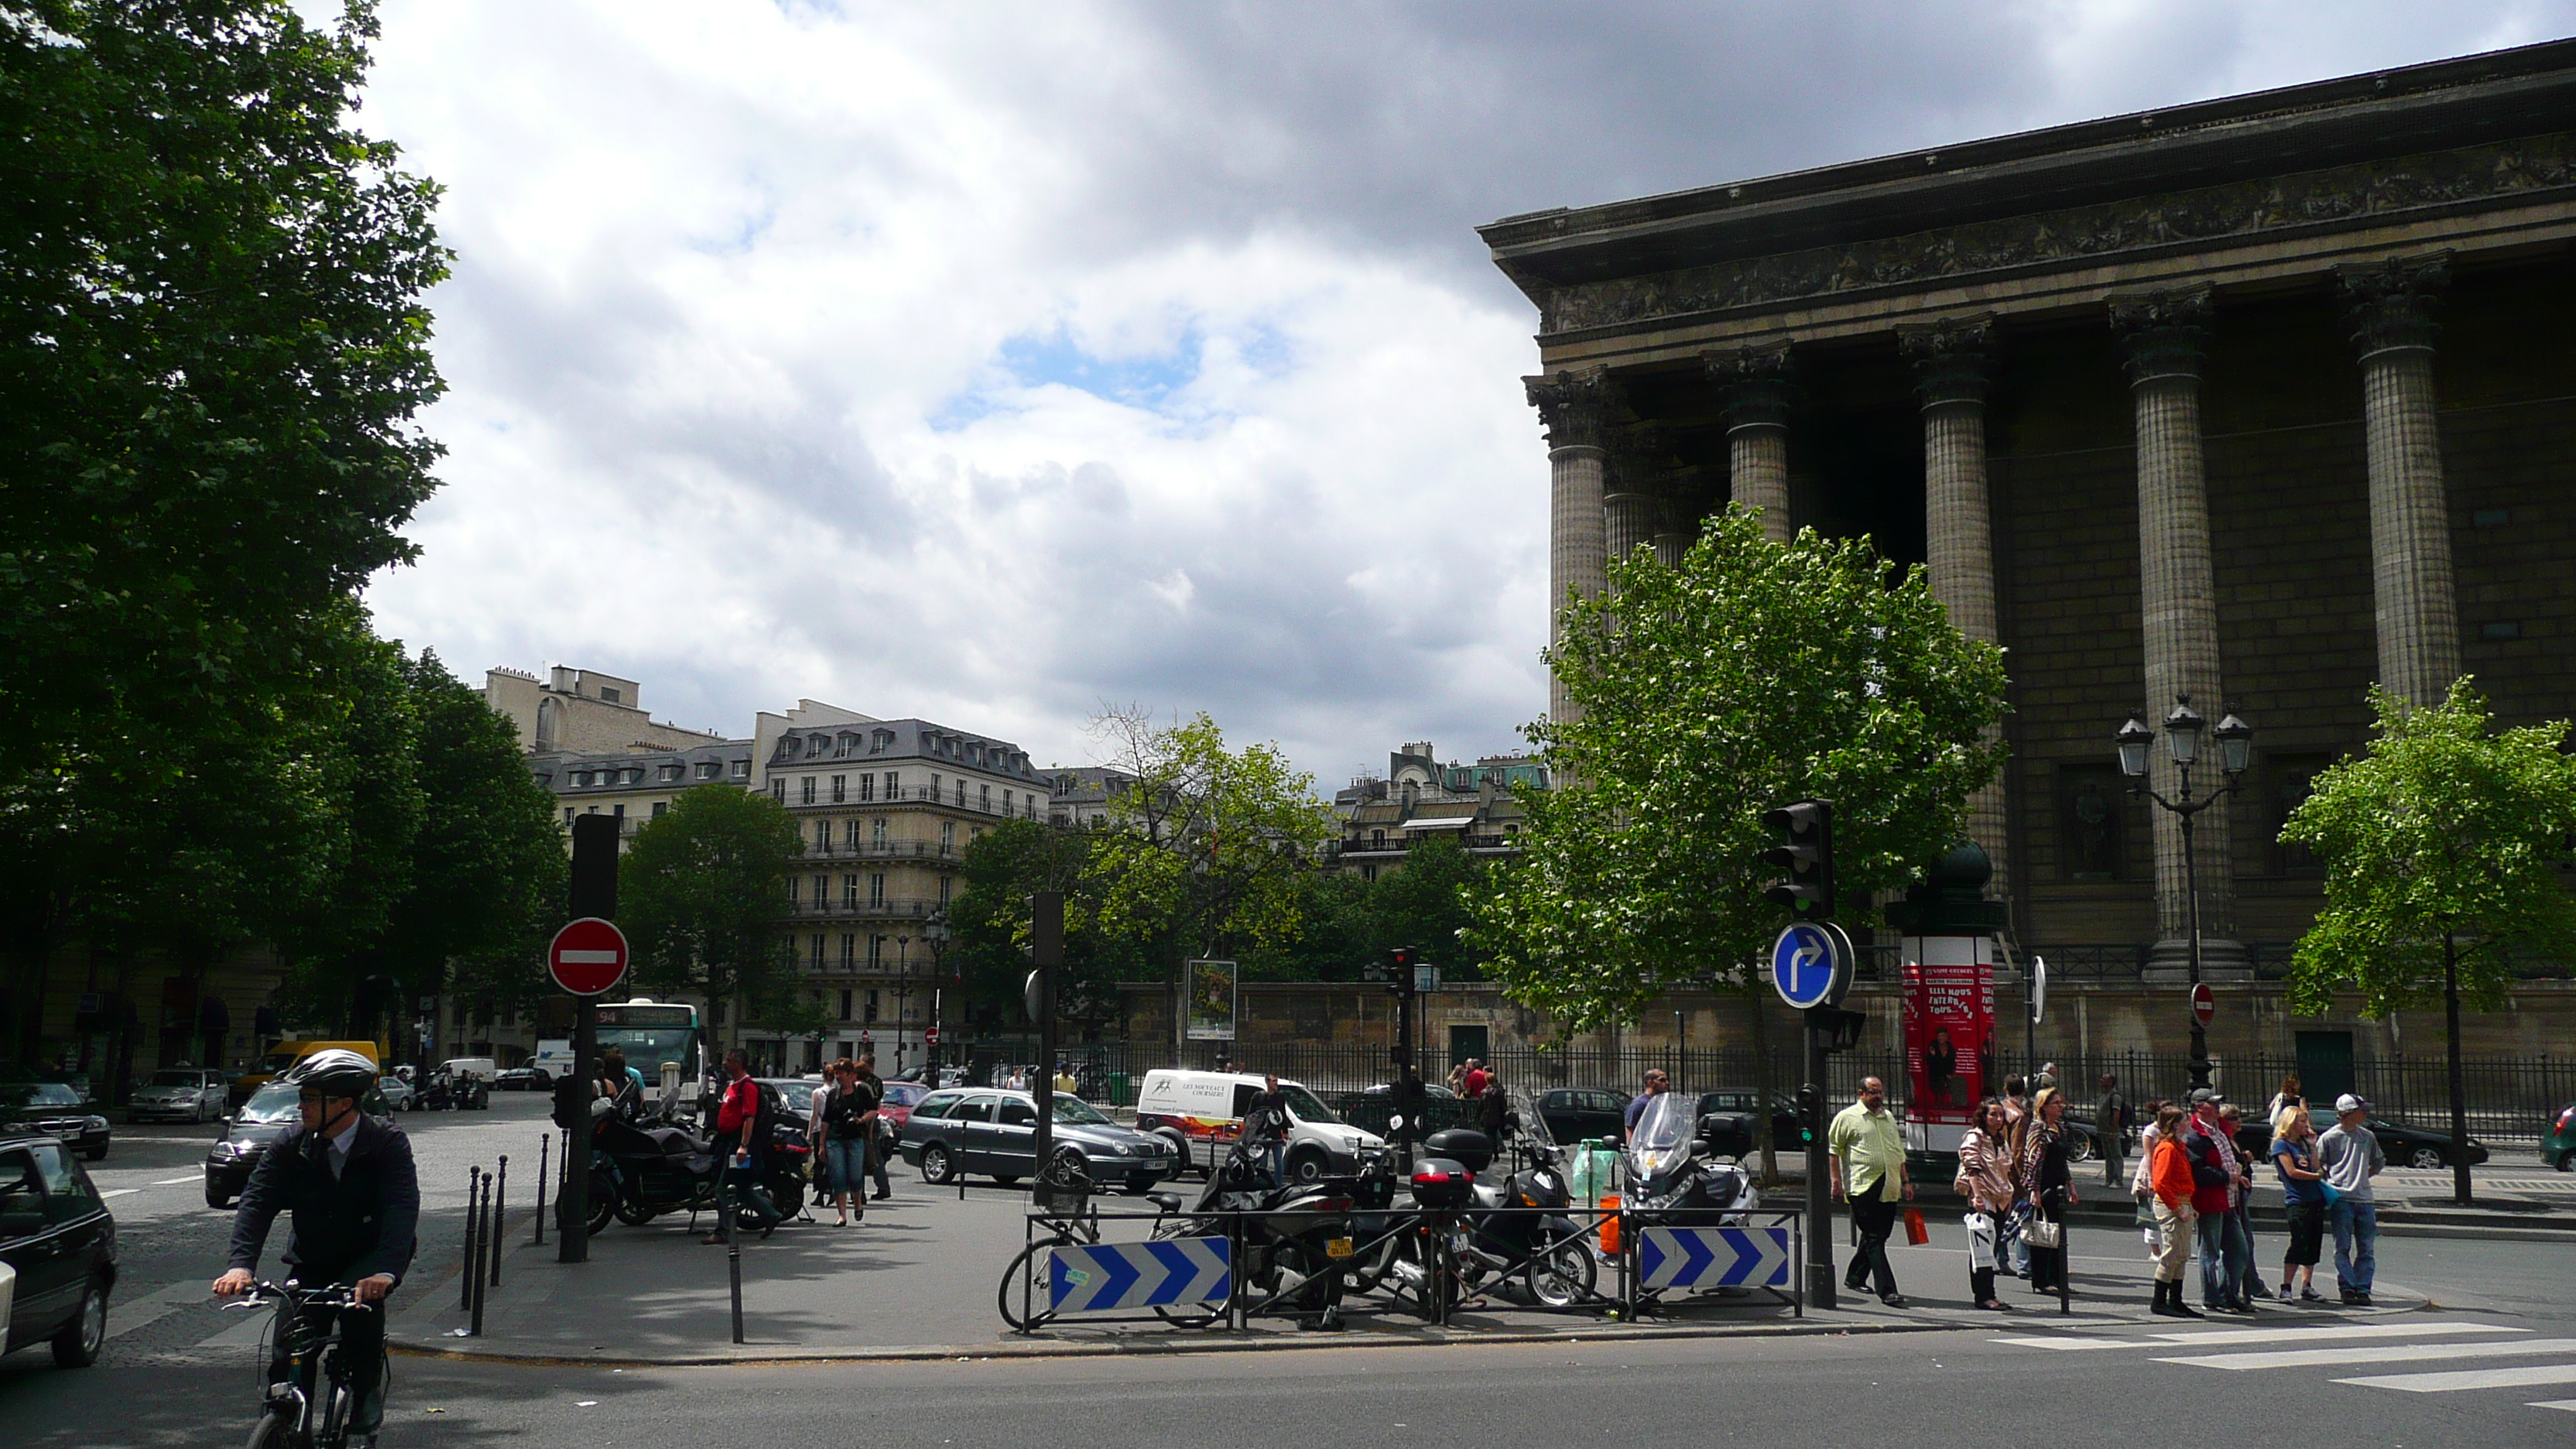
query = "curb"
x=1041 y=1348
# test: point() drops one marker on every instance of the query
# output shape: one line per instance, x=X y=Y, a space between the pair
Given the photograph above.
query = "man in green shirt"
x=1869 y=1165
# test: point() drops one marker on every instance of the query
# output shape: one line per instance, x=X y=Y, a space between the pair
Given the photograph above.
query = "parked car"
x=523 y=1079
x=955 y=1132
x=1739 y=1102
x=1375 y=1109
x=2415 y=1147
x=2558 y=1144
x=1573 y=1114
x=59 y=1110
x=181 y=1094
x=797 y=1093
x=900 y=1099
x=398 y=1094
x=57 y=1252
x=250 y=1131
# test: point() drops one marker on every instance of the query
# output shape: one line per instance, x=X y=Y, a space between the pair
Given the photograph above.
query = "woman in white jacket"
x=1986 y=1181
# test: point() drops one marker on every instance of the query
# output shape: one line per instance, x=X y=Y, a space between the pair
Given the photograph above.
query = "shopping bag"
x=1916 y=1235
x=1981 y=1240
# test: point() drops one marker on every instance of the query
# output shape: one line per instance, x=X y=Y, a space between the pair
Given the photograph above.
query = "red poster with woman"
x=1949 y=1034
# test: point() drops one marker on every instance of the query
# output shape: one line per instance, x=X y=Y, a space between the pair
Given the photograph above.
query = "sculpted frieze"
x=2080 y=234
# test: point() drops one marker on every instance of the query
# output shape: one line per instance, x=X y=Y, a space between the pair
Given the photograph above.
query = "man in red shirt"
x=1478 y=1079
x=737 y=1121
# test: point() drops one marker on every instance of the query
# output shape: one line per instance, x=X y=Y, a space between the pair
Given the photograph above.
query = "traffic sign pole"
x=593 y=898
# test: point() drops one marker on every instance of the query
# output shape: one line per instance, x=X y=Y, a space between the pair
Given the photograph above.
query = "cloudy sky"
x=992 y=362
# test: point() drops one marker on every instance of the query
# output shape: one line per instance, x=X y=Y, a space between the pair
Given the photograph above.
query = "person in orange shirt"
x=2169 y=1178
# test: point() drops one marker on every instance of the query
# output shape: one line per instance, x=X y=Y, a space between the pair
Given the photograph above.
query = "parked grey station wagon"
x=958 y=1132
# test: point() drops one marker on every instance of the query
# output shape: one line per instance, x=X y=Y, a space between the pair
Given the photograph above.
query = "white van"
x=1201 y=1114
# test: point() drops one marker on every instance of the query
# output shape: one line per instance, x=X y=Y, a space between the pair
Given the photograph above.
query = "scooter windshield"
x=1661 y=1139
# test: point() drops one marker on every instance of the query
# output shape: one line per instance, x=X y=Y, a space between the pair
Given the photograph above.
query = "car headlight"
x=98 y=1124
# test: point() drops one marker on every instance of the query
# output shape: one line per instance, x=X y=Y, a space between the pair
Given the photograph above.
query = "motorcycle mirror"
x=1699 y=1147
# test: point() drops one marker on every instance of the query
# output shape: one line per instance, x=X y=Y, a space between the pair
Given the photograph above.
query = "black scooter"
x=1298 y=1237
x=640 y=1170
x=1514 y=1238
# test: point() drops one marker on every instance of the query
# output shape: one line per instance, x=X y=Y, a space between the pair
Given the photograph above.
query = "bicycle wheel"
x=1010 y=1293
x=1180 y=1317
x=271 y=1432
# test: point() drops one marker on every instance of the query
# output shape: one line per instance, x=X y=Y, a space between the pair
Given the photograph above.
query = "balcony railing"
x=888 y=850
x=889 y=908
x=974 y=804
x=1397 y=845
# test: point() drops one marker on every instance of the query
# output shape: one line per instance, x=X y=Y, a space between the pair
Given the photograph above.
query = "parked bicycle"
x=309 y=1407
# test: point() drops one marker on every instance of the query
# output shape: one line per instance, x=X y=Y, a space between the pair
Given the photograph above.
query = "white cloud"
x=991 y=362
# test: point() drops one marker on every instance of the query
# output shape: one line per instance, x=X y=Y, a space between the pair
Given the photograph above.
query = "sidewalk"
x=920 y=1280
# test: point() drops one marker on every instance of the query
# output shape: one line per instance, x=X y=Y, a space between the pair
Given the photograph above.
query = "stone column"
x=1950 y=371
x=2390 y=307
x=1575 y=408
x=1677 y=515
x=2161 y=335
x=1755 y=383
x=1636 y=458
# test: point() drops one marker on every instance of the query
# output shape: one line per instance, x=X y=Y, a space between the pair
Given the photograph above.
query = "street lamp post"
x=2182 y=728
x=935 y=931
x=902 y=994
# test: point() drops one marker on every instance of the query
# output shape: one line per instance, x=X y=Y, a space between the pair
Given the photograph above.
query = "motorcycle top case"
x=1440 y=1183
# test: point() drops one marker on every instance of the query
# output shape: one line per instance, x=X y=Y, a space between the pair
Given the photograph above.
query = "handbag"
x=1916 y=1234
x=1981 y=1240
x=2039 y=1232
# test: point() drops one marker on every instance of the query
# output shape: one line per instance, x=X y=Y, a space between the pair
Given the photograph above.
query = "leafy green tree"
x=989 y=955
x=1751 y=674
x=1425 y=904
x=701 y=893
x=1206 y=848
x=2443 y=844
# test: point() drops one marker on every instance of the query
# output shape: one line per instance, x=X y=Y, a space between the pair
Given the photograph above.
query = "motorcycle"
x=1514 y=1239
x=1669 y=1183
x=1298 y=1238
x=640 y=1170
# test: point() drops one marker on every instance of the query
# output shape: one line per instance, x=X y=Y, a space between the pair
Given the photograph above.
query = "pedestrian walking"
x=2303 y=1202
x=1986 y=1181
x=1265 y=1125
x=845 y=1119
x=2282 y=1101
x=2047 y=1184
x=1473 y=1084
x=880 y=1130
x=1457 y=1079
x=2172 y=1184
x=2016 y=1252
x=737 y=1115
x=2232 y=1117
x=2141 y=1185
x=2214 y=1176
x=2111 y=1128
x=1868 y=1159
x=2348 y=1157
x=1491 y=1105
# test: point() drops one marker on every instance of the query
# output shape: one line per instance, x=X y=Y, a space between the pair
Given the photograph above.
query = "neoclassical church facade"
x=2259 y=401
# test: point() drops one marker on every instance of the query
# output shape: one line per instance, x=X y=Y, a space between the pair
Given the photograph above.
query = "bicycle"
x=1064 y=1193
x=290 y=1417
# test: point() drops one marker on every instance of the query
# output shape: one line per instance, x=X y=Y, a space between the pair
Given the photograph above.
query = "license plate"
x=1337 y=1247
x=71 y=1134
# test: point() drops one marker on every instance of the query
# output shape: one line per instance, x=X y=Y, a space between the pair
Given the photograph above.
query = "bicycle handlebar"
x=338 y=1295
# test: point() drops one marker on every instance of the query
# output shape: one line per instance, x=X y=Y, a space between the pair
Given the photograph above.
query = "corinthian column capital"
x=1950 y=358
x=2161 y=333
x=2391 y=304
x=1754 y=383
x=1574 y=406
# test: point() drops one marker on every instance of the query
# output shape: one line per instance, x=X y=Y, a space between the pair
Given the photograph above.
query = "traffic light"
x=1811 y=1111
x=1806 y=852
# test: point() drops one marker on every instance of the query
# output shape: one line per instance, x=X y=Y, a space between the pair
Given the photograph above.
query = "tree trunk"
x=2459 y=1085
x=1762 y=1087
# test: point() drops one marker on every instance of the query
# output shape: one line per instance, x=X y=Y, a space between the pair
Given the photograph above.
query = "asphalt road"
x=179 y=1372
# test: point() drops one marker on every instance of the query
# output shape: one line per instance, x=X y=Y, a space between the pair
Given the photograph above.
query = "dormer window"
x=814 y=747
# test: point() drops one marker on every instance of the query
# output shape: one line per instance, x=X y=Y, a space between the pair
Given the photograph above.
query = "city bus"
x=652 y=1033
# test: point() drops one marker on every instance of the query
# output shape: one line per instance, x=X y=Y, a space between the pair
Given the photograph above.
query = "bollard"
x=500 y=1215
x=733 y=1255
x=484 y=1244
x=544 y=1142
x=465 y=1287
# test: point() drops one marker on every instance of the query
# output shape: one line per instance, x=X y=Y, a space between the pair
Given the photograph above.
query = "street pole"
x=2191 y=897
x=1046 y=953
x=594 y=893
x=2459 y=1084
x=1820 y=1199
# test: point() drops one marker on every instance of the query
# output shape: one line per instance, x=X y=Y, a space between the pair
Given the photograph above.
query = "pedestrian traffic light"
x=1811 y=1110
x=1806 y=852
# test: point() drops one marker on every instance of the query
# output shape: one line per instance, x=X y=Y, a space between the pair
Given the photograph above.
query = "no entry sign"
x=588 y=956
x=2204 y=1004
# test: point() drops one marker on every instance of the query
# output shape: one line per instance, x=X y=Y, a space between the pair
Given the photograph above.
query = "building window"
x=805 y=791
x=944 y=883
x=822 y=835
x=947 y=836
x=984 y=798
x=817 y=953
x=845 y=996
x=850 y=837
x=961 y=794
x=718 y=1008
x=1377 y=840
x=778 y=791
x=934 y=787
x=876 y=889
x=840 y=788
x=609 y=696
x=876 y=952
x=617 y=810
x=707 y=769
x=2089 y=822
x=822 y=892
x=791 y=892
x=869 y=1007
x=850 y=892
x=867 y=788
x=742 y=767
x=849 y=962
x=567 y=815
x=671 y=772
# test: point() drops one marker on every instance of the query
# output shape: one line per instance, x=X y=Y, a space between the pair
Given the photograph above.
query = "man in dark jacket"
x=346 y=1182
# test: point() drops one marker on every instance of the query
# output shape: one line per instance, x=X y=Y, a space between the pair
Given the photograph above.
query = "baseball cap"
x=2350 y=1103
x=2201 y=1095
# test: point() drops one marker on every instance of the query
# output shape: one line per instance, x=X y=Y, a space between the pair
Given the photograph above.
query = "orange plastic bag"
x=1610 y=1226
x=1915 y=1233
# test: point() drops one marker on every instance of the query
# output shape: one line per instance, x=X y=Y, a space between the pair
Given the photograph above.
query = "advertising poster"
x=1949 y=1033
x=1211 y=1000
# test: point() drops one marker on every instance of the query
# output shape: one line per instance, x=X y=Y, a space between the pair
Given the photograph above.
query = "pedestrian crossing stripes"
x=1158 y=1274
x=2397 y=1347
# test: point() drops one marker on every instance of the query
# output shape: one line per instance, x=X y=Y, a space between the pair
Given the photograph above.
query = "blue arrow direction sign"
x=1811 y=964
x=1107 y=1276
x=1713 y=1258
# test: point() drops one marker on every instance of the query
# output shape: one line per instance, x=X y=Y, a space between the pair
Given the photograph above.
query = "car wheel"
x=1306 y=1166
x=2566 y=1162
x=2424 y=1157
x=936 y=1166
x=1009 y=1180
x=96 y=1154
x=2079 y=1148
x=216 y=1198
x=78 y=1344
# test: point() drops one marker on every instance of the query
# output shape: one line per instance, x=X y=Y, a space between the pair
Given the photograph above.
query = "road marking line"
x=242 y=1335
x=2278 y=1336
x=2375 y=1353
x=2444 y=1383
x=120 y=1192
x=2074 y=1343
x=171 y=1181
x=2569 y=1404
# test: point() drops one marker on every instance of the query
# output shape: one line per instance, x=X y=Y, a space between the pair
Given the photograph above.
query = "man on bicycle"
x=346 y=1180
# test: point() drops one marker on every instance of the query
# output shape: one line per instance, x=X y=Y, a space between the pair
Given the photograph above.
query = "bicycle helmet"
x=338 y=1072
